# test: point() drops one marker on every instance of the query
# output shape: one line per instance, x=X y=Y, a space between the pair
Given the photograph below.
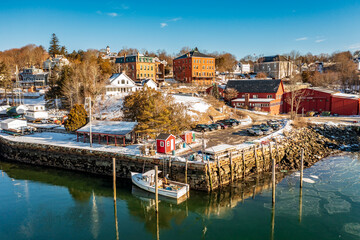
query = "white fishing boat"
x=167 y=188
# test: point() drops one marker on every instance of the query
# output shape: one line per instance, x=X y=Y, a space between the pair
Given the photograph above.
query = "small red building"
x=258 y=94
x=188 y=137
x=165 y=143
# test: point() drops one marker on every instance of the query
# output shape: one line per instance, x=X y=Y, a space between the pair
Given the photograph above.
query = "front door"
x=172 y=144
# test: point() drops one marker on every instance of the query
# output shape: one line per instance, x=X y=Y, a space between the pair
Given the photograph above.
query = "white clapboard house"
x=121 y=85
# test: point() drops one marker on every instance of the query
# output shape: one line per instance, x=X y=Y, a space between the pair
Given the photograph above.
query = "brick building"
x=261 y=94
x=194 y=67
x=139 y=67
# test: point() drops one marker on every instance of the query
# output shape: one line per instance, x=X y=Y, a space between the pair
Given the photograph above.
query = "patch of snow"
x=193 y=103
x=256 y=112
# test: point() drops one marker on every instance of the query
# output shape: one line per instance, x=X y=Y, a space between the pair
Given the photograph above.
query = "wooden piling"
x=210 y=178
x=256 y=160
x=114 y=178
x=156 y=190
x=277 y=151
x=300 y=205
x=186 y=167
x=273 y=181
x=263 y=155
x=219 y=172
x=231 y=169
x=243 y=161
x=170 y=167
x=302 y=168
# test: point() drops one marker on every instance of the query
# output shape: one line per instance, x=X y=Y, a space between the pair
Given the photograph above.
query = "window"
x=269 y=96
x=168 y=143
x=161 y=144
x=255 y=96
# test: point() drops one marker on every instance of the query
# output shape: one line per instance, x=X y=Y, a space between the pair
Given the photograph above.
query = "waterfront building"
x=320 y=100
x=260 y=94
x=165 y=143
x=195 y=68
x=109 y=132
x=36 y=112
x=12 y=124
x=275 y=66
x=33 y=77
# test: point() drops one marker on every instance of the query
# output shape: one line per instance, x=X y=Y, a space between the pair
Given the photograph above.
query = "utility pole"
x=90 y=132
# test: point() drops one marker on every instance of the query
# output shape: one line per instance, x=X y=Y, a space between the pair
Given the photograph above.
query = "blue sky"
x=240 y=27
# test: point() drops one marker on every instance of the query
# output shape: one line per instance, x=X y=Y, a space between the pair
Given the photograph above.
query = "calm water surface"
x=41 y=203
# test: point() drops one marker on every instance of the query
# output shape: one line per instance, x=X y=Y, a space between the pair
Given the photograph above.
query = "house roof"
x=163 y=136
x=109 y=127
x=118 y=77
x=274 y=58
x=255 y=86
x=193 y=54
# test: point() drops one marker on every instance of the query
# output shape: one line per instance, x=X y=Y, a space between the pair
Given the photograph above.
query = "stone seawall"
x=207 y=176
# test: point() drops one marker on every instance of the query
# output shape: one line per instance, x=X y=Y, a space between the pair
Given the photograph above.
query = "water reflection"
x=237 y=208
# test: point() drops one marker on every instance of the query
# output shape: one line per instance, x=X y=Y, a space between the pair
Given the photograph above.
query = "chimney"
x=247 y=101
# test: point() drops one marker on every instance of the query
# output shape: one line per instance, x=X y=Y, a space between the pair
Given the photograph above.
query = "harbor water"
x=43 y=203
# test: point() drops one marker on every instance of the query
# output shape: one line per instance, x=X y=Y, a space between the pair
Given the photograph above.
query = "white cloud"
x=354 y=46
x=175 y=19
x=164 y=24
x=99 y=12
x=301 y=39
x=113 y=14
x=320 y=40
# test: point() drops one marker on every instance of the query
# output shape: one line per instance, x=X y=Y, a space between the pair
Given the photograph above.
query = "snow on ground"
x=40 y=100
x=246 y=121
x=193 y=103
x=109 y=108
x=256 y=112
x=69 y=140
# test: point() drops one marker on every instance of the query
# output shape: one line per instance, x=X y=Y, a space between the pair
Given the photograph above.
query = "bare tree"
x=296 y=96
x=231 y=93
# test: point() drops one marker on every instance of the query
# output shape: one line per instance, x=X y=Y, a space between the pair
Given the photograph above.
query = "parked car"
x=266 y=130
x=215 y=126
x=202 y=127
x=222 y=125
x=274 y=126
x=234 y=120
x=255 y=131
x=230 y=123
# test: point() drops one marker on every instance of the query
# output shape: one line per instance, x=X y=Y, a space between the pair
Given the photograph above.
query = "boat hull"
x=136 y=178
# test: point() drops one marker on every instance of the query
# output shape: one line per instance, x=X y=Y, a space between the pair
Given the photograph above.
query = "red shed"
x=165 y=143
x=345 y=104
x=188 y=137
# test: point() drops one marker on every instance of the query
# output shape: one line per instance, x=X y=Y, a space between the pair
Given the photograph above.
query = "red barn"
x=262 y=94
x=313 y=100
x=165 y=143
x=324 y=100
x=345 y=104
x=188 y=137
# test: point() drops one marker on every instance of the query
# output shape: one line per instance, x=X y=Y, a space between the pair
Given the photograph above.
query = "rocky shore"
x=318 y=141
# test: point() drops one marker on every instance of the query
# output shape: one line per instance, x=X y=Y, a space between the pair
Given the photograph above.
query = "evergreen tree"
x=77 y=118
x=215 y=91
x=155 y=113
x=54 y=45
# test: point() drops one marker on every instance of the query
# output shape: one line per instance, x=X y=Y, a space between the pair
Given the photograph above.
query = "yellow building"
x=138 y=66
